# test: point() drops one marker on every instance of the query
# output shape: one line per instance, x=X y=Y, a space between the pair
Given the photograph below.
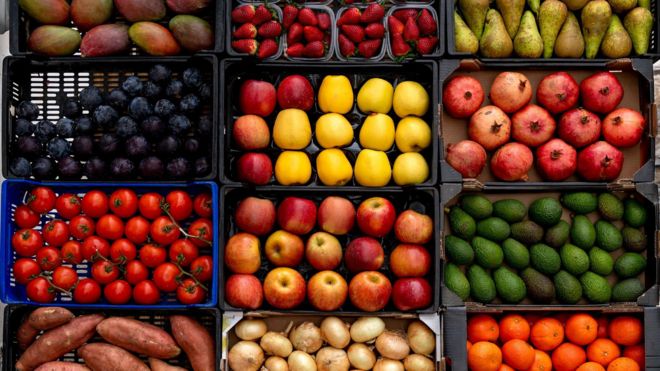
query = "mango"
x=51 y=12
x=187 y=6
x=153 y=38
x=193 y=33
x=141 y=10
x=106 y=39
x=333 y=130
x=54 y=41
x=333 y=168
x=293 y=167
x=335 y=94
x=375 y=96
x=372 y=168
x=292 y=129
x=86 y=14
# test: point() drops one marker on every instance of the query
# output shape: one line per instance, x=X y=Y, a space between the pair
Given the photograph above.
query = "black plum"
x=45 y=131
x=151 y=90
x=69 y=168
x=137 y=146
x=83 y=146
x=20 y=167
x=160 y=73
x=190 y=104
x=204 y=126
x=178 y=124
x=95 y=168
x=152 y=127
x=164 y=108
x=175 y=89
x=90 y=97
x=126 y=127
x=204 y=91
x=27 y=110
x=151 y=167
x=140 y=108
x=168 y=146
x=58 y=148
x=66 y=128
x=71 y=108
x=109 y=144
x=178 y=167
x=84 y=125
x=118 y=99
x=191 y=146
x=23 y=127
x=132 y=85
x=28 y=147
x=192 y=77
x=105 y=116
x=122 y=167
x=43 y=168
x=202 y=166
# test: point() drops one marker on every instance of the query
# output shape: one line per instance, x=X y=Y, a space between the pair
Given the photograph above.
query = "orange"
x=568 y=357
x=484 y=356
x=469 y=345
x=623 y=364
x=602 y=327
x=603 y=351
x=542 y=361
x=482 y=328
x=514 y=326
x=504 y=367
x=581 y=329
x=636 y=353
x=590 y=366
x=518 y=354
x=626 y=330
x=547 y=334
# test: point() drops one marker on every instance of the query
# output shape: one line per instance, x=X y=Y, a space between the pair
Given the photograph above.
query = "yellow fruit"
x=292 y=129
x=333 y=130
x=410 y=98
x=372 y=168
x=377 y=132
x=412 y=134
x=293 y=167
x=336 y=94
x=333 y=167
x=375 y=96
x=410 y=168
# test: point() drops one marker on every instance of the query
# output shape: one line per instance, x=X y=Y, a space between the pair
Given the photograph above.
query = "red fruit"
x=558 y=92
x=601 y=92
x=512 y=162
x=353 y=32
x=307 y=17
x=411 y=31
x=490 y=127
x=246 y=31
x=270 y=30
x=312 y=33
x=267 y=48
x=295 y=50
x=295 y=91
x=395 y=25
x=426 y=45
x=556 y=160
x=400 y=48
x=623 y=127
x=324 y=20
x=346 y=46
x=242 y=14
x=600 y=162
x=404 y=14
x=24 y=217
x=579 y=127
x=289 y=15
x=295 y=33
x=426 y=22
x=350 y=16
x=375 y=30
x=245 y=46
x=315 y=49
x=511 y=91
x=254 y=168
x=373 y=13
x=41 y=200
x=467 y=157
x=262 y=14
x=532 y=125
x=369 y=48
x=462 y=96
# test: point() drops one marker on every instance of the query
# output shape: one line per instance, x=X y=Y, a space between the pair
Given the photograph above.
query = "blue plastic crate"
x=13 y=193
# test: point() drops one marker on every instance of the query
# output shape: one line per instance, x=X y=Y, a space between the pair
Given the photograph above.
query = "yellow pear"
x=292 y=129
x=335 y=94
x=375 y=96
x=412 y=134
x=333 y=167
x=410 y=98
x=333 y=130
x=410 y=168
x=372 y=168
x=293 y=167
x=377 y=132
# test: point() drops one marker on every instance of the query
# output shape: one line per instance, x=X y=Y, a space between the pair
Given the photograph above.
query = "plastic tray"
x=331 y=47
x=229 y=5
x=13 y=192
x=439 y=16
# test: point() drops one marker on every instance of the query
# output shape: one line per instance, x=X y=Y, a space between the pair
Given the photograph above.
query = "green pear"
x=534 y=5
x=621 y=6
x=474 y=13
x=639 y=23
x=552 y=15
x=528 y=42
x=595 y=21
x=464 y=39
x=644 y=4
x=575 y=4
x=495 y=41
x=570 y=43
x=616 y=42
x=512 y=11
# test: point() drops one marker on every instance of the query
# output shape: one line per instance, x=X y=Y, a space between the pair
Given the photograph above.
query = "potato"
x=25 y=335
x=196 y=341
x=62 y=366
x=158 y=365
x=106 y=357
x=47 y=318
x=138 y=337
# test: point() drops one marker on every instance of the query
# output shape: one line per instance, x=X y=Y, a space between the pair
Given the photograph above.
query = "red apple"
x=284 y=288
x=295 y=91
x=364 y=254
x=370 y=291
x=254 y=168
x=327 y=290
x=375 y=216
x=251 y=132
x=296 y=215
x=242 y=253
x=284 y=249
x=462 y=96
x=413 y=227
x=323 y=251
x=257 y=98
x=408 y=260
x=255 y=215
x=244 y=291
x=412 y=293
x=336 y=215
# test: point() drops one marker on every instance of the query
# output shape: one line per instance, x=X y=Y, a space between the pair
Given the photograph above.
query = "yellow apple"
x=410 y=168
x=293 y=167
x=410 y=98
x=412 y=134
x=335 y=94
x=375 y=96
x=377 y=132
x=292 y=129
x=333 y=167
x=333 y=130
x=372 y=168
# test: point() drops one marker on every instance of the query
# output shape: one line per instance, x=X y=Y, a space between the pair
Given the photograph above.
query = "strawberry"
x=346 y=46
x=295 y=33
x=315 y=49
x=267 y=48
x=373 y=13
x=295 y=50
x=307 y=17
x=312 y=33
x=411 y=31
x=369 y=48
x=395 y=25
x=262 y=14
x=375 y=31
x=350 y=16
x=245 y=46
x=289 y=15
x=324 y=20
x=404 y=14
x=426 y=22
x=399 y=47
x=426 y=45
x=353 y=32
x=242 y=14
x=270 y=30
x=246 y=31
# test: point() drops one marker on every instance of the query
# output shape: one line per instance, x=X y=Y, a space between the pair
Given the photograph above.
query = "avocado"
x=461 y=223
x=482 y=286
x=580 y=202
x=596 y=288
x=479 y=207
x=456 y=281
x=608 y=236
x=629 y=264
x=493 y=228
x=516 y=254
x=544 y=259
x=510 y=287
x=557 y=235
x=527 y=232
x=610 y=206
x=487 y=253
x=568 y=288
x=545 y=211
x=634 y=213
x=510 y=210
x=458 y=250
x=600 y=261
x=583 y=233
x=574 y=260
x=627 y=290
x=539 y=287
x=633 y=239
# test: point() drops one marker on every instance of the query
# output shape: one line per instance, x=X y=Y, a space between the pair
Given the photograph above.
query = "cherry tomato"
x=49 y=258
x=104 y=272
x=25 y=270
x=149 y=205
x=146 y=293
x=68 y=205
x=24 y=217
x=118 y=292
x=203 y=205
x=164 y=231
x=165 y=277
x=56 y=233
x=202 y=228
x=87 y=291
x=81 y=227
x=41 y=200
x=183 y=252
x=26 y=242
x=95 y=204
x=39 y=290
x=110 y=227
x=122 y=251
x=189 y=293
x=93 y=245
x=202 y=268
x=72 y=252
x=137 y=229
x=180 y=204
x=152 y=255
x=123 y=202
x=135 y=272
x=64 y=277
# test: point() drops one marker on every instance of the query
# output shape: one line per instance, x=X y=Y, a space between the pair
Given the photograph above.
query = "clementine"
x=514 y=326
x=568 y=357
x=547 y=334
x=590 y=366
x=636 y=353
x=603 y=351
x=484 y=356
x=482 y=328
x=504 y=367
x=542 y=361
x=581 y=329
x=626 y=330
x=518 y=354
x=623 y=364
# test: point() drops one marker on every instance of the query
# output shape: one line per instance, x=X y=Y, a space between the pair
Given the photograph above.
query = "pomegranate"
x=511 y=91
x=490 y=127
x=600 y=162
x=558 y=92
x=467 y=157
x=623 y=127
x=512 y=162
x=601 y=92
x=579 y=127
x=532 y=125
x=462 y=96
x=555 y=160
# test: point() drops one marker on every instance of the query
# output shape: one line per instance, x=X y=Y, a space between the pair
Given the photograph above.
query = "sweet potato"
x=106 y=357
x=47 y=318
x=195 y=341
x=62 y=366
x=138 y=337
x=158 y=365
x=26 y=335
x=59 y=341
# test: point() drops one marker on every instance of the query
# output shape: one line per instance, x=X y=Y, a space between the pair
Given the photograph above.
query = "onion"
x=384 y=364
x=361 y=356
x=301 y=361
x=250 y=329
x=392 y=345
x=306 y=337
x=366 y=329
x=421 y=338
x=418 y=362
x=275 y=364
x=276 y=344
x=335 y=332
x=245 y=355
x=332 y=359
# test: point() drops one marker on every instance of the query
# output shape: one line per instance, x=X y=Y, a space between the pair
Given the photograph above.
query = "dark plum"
x=164 y=108
x=191 y=146
x=58 y=148
x=190 y=104
x=27 y=110
x=71 y=108
x=178 y=124
x=202 y=167
x=126 y=127
x=122 y=167
x=23 y=127
x=95 y=168
x=84 y=125
x=105 y=116
x=152 y=127
x=137 y=146
x=151 y=167
x=168 y=146
x=83 y=146
x=178 y=167
x=159 y=73
x=175 y=89
x=151 y=90
x=43 y=168
x=66 y=127
x=28 y=147
x=117 y=99
x=69 y=168
x=90 y=97
x=204 y=91
x=132 y=85
x=44 y=131
x=139 y=108
x=192 y=77
x=108 y=144
x=204 y=126
x=20 y=167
